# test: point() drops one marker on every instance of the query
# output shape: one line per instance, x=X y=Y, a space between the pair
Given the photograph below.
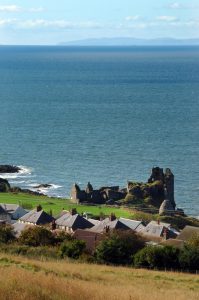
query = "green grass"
x=56 y=205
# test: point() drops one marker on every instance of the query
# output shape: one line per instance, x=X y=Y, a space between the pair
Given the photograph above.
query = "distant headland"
x=128 y=41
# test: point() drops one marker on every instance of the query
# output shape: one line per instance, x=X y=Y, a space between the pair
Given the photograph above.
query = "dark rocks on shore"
x=42 y=186
x=9 y=169
x=17 y=189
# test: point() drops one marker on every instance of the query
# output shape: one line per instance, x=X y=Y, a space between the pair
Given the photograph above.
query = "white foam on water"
x=55 y=186
x=23 y=172
x=9 y=175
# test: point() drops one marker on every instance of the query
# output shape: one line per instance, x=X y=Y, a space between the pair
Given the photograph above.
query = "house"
x=36 y=217
x=15 y=211
x=72 y=221
x=133 y=224
x=157 y=231
x=187 y=233
x=109 y=224
x=94 y=221
x=4 y=216
x=18 y=227
x=91 y=239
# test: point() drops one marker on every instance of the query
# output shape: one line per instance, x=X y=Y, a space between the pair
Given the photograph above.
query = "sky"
x=28 y=22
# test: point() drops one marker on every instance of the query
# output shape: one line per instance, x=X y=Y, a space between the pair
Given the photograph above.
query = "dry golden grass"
x=25 y=279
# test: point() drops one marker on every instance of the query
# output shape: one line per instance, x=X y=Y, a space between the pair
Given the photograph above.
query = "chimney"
x=112 y=217
x=165 y=233
x=38 y=208
x=53 y=225
x=73 y=211
x=107 y=229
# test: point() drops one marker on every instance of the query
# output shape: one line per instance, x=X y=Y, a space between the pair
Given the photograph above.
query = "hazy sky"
x=52 y=22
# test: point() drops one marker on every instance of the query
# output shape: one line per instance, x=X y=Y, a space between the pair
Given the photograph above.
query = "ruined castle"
x=159 y=188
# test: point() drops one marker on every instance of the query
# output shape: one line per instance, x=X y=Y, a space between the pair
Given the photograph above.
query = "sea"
x=100 y=114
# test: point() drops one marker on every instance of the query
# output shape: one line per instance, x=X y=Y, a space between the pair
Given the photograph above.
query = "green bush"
x=36 y=236
x=157 y=257
x=6 y=233
x=72 y=248
x=118 y=248
x=189 y=258
x=62 y=236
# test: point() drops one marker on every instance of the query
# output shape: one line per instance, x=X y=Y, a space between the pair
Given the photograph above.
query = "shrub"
x=157 y=257
x=36 y=236
x=6 y=233
x=194 y=241
x=62 y=236
x=118 y=247
x=72 y=248
x=189 y=258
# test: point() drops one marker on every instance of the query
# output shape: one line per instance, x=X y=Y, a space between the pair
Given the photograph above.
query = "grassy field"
x=56 y=205
x=23 y=279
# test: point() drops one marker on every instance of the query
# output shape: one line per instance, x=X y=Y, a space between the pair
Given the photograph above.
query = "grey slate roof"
x=9 y=207
x=116 y=224
x=132 y=224
x=73 y=221
x=156 y=230
x=2 y=211
x=37 y=217
x=93 y=221
x=19 y=227
x=188 y=232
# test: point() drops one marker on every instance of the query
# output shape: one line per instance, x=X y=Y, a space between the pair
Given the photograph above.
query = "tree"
x=118 y=247
x=189 y=258
x=6 y=233
x=157 y=257
x=72 y=248
x=36 y=236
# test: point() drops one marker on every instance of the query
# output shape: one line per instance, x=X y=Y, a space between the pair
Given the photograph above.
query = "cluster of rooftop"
x=90 y=230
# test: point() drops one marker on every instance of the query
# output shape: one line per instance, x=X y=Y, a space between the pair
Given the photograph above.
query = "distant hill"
x=132 y=42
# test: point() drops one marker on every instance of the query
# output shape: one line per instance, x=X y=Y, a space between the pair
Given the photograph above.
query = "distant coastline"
x=131 y=42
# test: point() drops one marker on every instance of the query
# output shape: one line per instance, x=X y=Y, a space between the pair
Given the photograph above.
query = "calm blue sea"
x=104 y=115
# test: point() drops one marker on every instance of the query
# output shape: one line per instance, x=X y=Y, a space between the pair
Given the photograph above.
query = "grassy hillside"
x=22 y=279
x=56 y=204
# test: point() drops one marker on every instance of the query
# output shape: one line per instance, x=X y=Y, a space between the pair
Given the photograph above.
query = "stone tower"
x=169 y=185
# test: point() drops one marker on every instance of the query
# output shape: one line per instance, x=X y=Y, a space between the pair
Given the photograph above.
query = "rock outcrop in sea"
x=9 y=169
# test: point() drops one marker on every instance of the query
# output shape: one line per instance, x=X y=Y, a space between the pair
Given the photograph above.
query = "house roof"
x=2 y=211
x=37 y=217
x=188 y=232
x=155 y=230
x=167 y=225
x=116 y=224
x=73 y=221
x=132 y=224
x=19 y=227
x=9 y=207
x=93 y=221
